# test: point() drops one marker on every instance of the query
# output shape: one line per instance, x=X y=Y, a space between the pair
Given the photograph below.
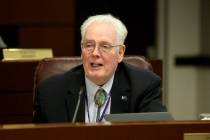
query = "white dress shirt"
x=91 y=108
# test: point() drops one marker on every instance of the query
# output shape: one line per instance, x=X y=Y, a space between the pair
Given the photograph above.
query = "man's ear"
x=81 y=52
x=121 y=53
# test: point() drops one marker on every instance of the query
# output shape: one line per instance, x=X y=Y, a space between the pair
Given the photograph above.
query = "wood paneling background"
x=41 y=24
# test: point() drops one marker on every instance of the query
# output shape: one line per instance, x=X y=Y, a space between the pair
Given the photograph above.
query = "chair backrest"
x=51 y=66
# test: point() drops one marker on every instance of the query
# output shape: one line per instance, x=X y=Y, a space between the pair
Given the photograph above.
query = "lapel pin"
x=124 y=98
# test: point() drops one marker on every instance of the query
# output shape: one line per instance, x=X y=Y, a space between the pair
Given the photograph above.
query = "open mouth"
x=96 y=65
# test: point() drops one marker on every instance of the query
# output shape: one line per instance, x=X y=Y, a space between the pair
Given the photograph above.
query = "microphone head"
x=81 y=90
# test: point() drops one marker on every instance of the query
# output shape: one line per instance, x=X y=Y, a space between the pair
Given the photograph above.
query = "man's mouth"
x=96 y=65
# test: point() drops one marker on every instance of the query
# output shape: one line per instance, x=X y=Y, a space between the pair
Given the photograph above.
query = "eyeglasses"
x=90 y=46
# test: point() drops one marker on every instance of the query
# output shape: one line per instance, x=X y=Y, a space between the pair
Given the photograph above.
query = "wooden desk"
x=173 y=130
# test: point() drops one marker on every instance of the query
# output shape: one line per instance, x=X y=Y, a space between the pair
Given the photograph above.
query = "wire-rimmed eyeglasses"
x=103 y=46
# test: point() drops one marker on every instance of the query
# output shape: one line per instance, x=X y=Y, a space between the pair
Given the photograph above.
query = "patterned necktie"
x=100 y=99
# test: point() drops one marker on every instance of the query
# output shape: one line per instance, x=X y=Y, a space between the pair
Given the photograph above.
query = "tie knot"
x=100 y=97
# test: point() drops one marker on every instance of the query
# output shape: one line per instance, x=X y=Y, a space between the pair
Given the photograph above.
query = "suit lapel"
x=120 y=93
x=76 y=81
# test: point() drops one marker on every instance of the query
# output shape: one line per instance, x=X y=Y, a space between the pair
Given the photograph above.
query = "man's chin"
x=96 y=77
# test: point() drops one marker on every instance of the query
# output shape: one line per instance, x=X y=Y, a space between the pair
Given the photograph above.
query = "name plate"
x=197 y=136
x=26 y=54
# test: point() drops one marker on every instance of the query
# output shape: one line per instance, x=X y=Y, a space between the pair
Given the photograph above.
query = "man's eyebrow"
x=105 y=42
x=89 y=41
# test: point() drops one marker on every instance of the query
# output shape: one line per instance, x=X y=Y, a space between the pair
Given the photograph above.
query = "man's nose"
x=96 y=50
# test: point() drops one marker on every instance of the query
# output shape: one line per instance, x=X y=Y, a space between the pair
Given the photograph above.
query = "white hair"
x=107 y=18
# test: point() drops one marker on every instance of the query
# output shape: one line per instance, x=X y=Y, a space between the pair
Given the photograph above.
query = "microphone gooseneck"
x=82 y=89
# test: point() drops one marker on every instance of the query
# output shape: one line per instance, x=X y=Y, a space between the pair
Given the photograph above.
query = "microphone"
x=82 y=89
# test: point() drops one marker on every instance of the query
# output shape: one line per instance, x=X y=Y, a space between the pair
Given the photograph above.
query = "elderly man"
x=104 y=83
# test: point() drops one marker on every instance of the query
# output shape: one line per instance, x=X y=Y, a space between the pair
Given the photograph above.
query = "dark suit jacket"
x=57 y=96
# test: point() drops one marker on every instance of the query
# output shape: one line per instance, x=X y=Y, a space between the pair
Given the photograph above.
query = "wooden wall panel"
x=16 y=84
x=36 y=11
x=41 y=24
x=59 y=38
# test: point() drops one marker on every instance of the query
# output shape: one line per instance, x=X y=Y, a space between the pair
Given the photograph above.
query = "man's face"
x=99 y=61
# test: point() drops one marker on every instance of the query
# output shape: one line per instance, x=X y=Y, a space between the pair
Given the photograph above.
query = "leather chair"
x=51 y=66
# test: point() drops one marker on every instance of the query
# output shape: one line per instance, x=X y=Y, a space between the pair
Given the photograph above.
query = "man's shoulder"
x=139 y=79
x=138 y=72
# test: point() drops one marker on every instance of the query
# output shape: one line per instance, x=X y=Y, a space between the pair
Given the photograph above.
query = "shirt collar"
x=91 y=87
